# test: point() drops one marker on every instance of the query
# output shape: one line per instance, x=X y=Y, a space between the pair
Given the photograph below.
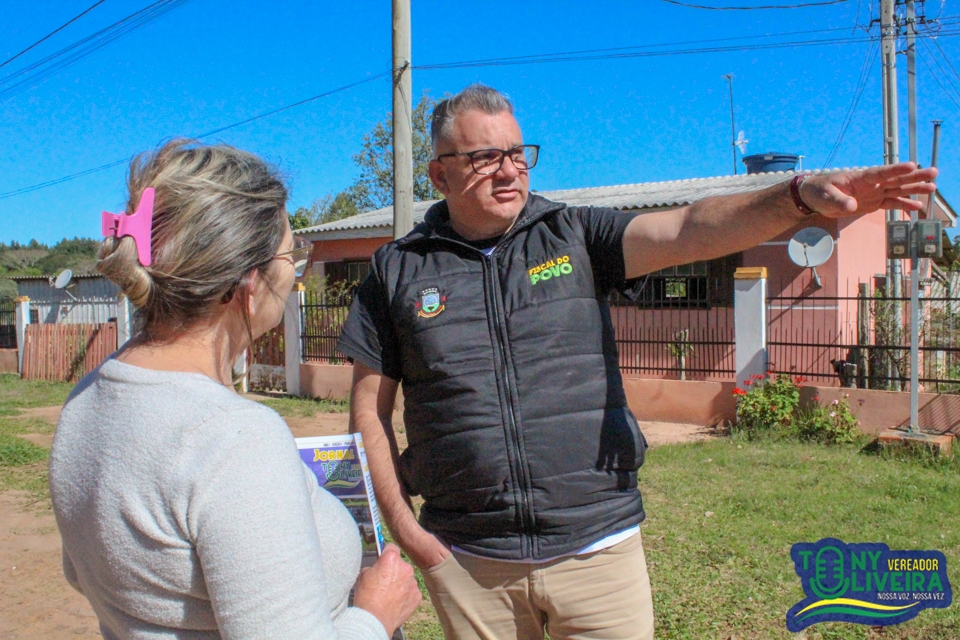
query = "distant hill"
x=36 y=259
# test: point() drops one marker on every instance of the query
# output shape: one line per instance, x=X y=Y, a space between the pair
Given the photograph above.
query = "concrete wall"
x=703 y=403
x=8 y=361
x=326 y=380
x=879 y=410
x=690 y=402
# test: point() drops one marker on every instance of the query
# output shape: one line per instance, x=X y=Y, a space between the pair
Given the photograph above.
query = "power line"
x=662 y=44
x=946 y=74
x=55 y=31
x=575 y=57
x=570 y=56
x=865 y=70
x=83 y=48
x=291 y=106
x=802 y=5
x=110 y=165
x=937 y=80
x=946 y=58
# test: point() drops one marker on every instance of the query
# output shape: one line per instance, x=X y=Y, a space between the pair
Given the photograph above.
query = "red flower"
x=739 y=392
x=773 y=407
x=747 y=383
x=816 y=398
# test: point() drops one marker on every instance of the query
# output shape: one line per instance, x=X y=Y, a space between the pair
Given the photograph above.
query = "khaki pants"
x=597 y=596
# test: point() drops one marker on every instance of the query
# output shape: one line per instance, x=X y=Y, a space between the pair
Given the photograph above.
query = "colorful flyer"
x=340 y=464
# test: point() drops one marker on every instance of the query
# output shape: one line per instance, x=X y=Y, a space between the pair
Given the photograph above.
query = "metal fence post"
x=292 y=332
x=750 y=321
x=22 y=320
x=122 y=312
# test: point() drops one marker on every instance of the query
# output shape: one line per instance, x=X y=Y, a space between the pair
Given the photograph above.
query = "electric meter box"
x=898 y=240
x=929 y=239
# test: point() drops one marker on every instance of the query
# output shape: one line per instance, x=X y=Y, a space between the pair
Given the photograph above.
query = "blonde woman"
x=184 y=509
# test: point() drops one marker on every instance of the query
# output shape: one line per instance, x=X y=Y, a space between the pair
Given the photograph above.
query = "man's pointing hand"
x=848 y=193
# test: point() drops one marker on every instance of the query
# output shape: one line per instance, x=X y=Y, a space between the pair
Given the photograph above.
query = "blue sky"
x=210 y=63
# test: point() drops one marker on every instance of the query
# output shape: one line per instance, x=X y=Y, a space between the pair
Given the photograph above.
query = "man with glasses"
x=493 y=314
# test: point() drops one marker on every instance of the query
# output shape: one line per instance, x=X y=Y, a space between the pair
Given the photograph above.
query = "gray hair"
x=476 y=97
x=218 y=215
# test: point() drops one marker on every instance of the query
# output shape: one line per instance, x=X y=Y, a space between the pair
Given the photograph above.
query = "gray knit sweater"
x=186 y=512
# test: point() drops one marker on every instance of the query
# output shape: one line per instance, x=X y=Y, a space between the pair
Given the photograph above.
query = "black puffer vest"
x=520 y=439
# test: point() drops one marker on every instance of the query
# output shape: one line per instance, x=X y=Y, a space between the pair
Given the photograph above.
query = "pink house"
x=702 y=291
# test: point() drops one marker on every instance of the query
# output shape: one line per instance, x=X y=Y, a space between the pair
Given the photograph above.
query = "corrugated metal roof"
x=644 y=195
x=46 y=278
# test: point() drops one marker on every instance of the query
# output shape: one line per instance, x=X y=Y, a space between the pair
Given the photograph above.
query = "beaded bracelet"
x=795 y=185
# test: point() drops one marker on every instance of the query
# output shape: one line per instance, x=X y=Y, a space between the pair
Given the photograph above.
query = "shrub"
x=832 y=424
x=767 y=405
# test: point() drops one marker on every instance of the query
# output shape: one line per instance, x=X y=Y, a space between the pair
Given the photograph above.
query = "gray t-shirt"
x=186 y=512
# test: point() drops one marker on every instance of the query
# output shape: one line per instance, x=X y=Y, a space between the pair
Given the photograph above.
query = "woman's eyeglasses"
x=300 y=254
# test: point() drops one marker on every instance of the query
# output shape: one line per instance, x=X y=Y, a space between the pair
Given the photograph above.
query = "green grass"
x=23 y=394
x=23 y=465
x=304 y=407
x=725 y=575
x=730 y=573
x=16 y=452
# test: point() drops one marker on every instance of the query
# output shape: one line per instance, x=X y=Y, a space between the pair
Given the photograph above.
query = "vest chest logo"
x=551 y=269
x=431 y=303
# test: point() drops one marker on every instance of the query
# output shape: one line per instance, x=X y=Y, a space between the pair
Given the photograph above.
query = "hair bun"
x=118 y=261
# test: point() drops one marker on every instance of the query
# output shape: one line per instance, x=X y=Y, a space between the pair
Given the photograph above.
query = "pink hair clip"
x=137 y=225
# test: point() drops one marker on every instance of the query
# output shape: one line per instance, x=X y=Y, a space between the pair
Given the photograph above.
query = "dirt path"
x=36 y=603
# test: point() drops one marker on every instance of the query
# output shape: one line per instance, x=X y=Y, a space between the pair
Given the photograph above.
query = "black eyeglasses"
x=488 y=161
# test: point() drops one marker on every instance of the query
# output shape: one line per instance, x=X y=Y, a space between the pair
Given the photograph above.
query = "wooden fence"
x=268 y=348
x=66 y=352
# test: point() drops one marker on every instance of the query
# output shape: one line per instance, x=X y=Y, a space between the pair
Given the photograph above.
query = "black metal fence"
x=679 y=327
x=322 y=315
x=863 y=340
x=8 y=324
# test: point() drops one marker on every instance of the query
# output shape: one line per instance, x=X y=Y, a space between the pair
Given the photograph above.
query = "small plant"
x=772 y=407
x=830 y=424
x=680 y=348
x=766 y=405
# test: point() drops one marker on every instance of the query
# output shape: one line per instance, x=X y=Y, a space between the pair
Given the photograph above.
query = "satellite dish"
x=63 y=280
x=811 y=247
x=741 y=143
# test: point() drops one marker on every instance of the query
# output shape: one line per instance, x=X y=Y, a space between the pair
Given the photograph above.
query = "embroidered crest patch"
x=431 y=303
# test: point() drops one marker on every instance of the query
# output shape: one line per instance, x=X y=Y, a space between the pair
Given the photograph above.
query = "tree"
x=300 y=218
x=327 y=209
x=374 y=188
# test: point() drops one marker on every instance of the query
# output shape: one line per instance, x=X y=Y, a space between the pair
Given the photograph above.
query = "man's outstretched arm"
x=723 y=225
x=371 y=413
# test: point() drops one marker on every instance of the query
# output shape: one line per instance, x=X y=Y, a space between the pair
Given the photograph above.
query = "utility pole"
x=891 y=152
x=733 y=128
x=914 y=216
x=402 y=122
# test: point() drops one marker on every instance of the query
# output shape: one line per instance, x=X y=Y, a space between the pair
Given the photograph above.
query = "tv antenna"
x=811 y=247
x=733 y=127
x=64 y=280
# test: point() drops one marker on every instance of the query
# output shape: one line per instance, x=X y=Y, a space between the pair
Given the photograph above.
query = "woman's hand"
x=388 y=589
